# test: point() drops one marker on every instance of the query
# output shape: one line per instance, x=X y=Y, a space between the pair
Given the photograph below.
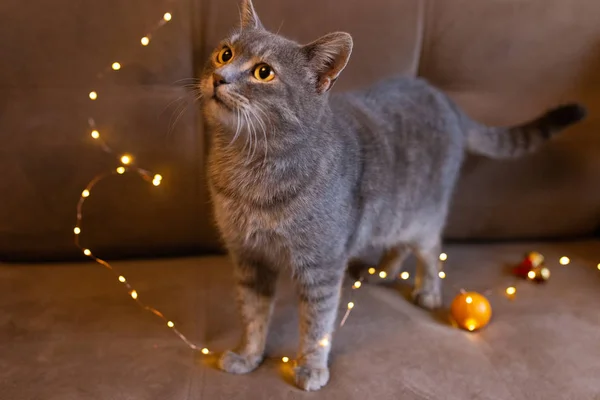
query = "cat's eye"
x=225 y=55
x=264 y=73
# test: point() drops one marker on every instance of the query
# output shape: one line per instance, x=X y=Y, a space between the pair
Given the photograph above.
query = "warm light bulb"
x=85 y=193
x=122 y=279
x=371 y=271
x=126 y=159
x=95 y=134
x=77 y=230
x=170 y=324
x=324 y=342
x=471 y=324
x=87 y=252
x=564 y=260
x=205 y=351
x=285 y=359
x=358 y=284
x=156 y=182
x=442 y=274
x=350 y=306
x=443 y=257
x=167 y=17
x=120 y=170
x=511 y=290
x=382 y=274
x=598 y=266
x=404 y=275
x=158 y=177
x=531 y=274
x=93 y=95
x=469 y=299
x=116 y=66
x=133 y=294
x=145 y=40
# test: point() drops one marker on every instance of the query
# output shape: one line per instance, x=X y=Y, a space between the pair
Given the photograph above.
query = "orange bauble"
x=471 y=311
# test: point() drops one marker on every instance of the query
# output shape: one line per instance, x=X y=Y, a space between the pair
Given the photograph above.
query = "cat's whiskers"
x=242 y=104
x=184 y=102
x=260 y=109
x=248 y=142
x=194 y=80
x=257 y=111
x=239 y=105
x=253 y=142
x=252 y=119
x=180 y=110
x=237 y=127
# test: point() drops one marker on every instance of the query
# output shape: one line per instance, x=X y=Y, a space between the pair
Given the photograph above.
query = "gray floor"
x=70 y=332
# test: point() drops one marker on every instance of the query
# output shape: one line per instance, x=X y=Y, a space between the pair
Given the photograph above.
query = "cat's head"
x=258 y=77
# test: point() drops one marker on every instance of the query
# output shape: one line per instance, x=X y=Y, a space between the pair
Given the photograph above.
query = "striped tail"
x=520 y=140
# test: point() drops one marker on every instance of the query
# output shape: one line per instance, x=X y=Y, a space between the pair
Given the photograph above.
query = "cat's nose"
x=218 y=80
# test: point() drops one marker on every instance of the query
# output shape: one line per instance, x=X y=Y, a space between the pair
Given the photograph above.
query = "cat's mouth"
x=221 y=101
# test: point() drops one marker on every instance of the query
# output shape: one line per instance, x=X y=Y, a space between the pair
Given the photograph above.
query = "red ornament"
x=532 y=260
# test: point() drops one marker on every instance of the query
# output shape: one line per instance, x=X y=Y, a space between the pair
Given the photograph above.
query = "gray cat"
x=303 y=181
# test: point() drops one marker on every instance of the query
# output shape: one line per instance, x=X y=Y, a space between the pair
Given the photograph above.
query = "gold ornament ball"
x=542 y=274
x=535 y=258
x=471 y=311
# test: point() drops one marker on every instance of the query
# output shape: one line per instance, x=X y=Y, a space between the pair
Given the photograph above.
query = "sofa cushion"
x=56 y=51
x=506 y=62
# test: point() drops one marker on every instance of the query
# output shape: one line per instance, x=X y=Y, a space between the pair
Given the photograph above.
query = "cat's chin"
x=220 y=113
x=216 y=106
x=221 y=102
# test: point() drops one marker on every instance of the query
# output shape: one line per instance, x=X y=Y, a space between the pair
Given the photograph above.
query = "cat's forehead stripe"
x=248 y=64
x=257 y=52
x=260 y=49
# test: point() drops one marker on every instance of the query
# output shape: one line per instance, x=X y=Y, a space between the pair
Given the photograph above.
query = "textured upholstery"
x=56 y=50
x=504 y=61
x=79 y=336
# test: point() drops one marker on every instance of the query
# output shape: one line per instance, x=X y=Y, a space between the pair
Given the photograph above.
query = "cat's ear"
x=248 y=17
x=327 y=57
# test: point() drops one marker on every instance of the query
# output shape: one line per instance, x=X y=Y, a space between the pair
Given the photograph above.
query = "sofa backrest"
x=503 y=61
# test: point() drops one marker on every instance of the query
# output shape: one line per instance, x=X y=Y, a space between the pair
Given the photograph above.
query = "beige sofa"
x=71 y=330
x=504 y=61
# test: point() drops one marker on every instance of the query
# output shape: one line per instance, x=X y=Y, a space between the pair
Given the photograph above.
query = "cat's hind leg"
x=390 y=263
x=428 y=284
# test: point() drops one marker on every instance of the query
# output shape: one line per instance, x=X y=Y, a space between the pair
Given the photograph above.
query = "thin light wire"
x=147 y=176
x=128 y=165
x=108 y=69
x=346 y=315
x=156 y=180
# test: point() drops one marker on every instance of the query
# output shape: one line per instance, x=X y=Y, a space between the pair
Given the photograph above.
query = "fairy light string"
x=510 y=291
x=404 y=275
x=127 y=166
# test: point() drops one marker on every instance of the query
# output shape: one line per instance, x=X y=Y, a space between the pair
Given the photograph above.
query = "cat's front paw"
x=428 y=299
x=237 y=364
x=310 y=378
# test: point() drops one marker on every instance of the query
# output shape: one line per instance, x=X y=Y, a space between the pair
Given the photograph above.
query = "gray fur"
x=303 y=181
